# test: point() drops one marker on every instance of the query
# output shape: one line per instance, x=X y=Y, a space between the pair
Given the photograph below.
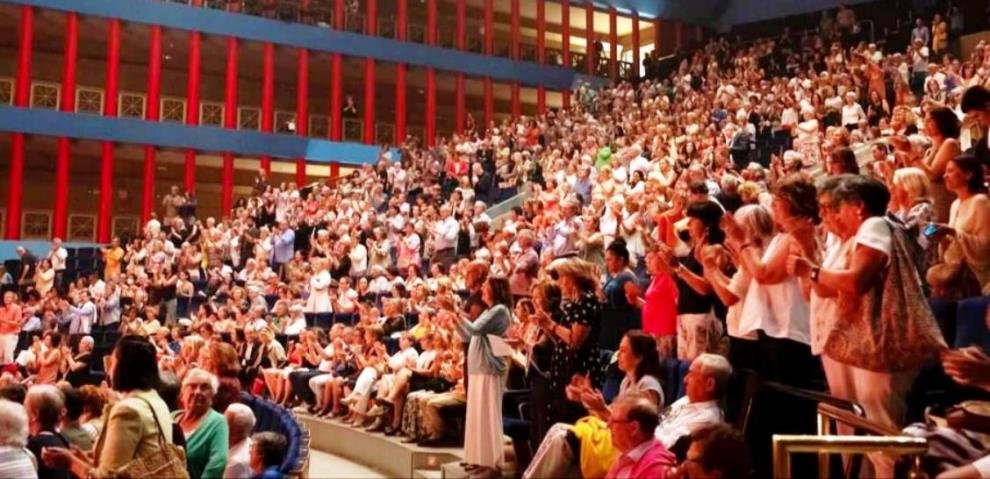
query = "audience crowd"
x=791 y=206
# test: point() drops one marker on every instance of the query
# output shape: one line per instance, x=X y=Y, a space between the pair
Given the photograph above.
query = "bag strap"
x=161 y=434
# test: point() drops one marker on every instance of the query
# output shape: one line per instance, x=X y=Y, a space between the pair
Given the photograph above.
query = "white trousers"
x=882 y=395
x=483 y=444
x=317 y=384
x=554 y=458
x=8 y=343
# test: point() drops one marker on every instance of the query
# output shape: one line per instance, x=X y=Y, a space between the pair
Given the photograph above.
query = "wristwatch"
x=815 y=270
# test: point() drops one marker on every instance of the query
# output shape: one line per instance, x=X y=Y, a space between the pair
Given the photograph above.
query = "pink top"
x=648 y=460
x=660 y=308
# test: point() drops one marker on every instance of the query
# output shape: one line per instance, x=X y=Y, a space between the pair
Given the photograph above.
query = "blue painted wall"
x=248 y=27
x=749 y=11
x=175 y=135
x=39 y=248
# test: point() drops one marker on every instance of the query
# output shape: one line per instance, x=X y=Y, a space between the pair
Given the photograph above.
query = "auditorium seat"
x=674 y=372
x=971 y=325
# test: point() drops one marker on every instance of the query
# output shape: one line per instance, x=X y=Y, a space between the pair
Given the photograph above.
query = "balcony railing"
x=320 y=13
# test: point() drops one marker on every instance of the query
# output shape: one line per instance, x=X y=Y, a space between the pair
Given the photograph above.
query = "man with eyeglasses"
x=631 y=423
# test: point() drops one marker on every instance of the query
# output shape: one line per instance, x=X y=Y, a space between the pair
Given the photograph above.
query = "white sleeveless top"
x=779 y=310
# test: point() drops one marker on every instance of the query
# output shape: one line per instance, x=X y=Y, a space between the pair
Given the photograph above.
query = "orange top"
x=10 y=319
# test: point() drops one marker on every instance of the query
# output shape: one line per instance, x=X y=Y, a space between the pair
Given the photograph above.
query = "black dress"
x=566 y=361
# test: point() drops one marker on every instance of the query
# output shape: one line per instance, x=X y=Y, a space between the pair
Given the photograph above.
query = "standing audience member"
x=240 y=422
x=483 y=427
x=135 y=426
x=204 y=428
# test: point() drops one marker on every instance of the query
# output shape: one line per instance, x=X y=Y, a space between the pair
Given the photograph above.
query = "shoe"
x=376 y=411
x=377 y=426
x=391 y=431
x=347 y=400
x=410 y=440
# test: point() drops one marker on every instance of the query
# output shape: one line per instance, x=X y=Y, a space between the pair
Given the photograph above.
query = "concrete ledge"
x=387 y=455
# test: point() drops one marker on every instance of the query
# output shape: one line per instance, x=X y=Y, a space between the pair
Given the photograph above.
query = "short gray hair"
x=240 y=418
x=13 y=424
x=45 y=402
x=718 y=368
x=197 y=373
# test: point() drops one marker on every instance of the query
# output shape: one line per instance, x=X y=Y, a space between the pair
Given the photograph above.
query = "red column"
x=489 y=99
x=514 y=51
x=400 y=76
x=109 y=109
x=22 y=95
x=334 y=170
x=613 y=47
x=68 y=104
x=154 y=93
x=229 y=121
x=369 y=77
x=192 y=106
x=678 y=35
x=699 y=34
x=302 y=110
x=431 y=76
x=267 y=98
x=460 y=116
x=589 y=37
x=336 y=88
x=541 y=25
x=565 y=33
x=635 y=44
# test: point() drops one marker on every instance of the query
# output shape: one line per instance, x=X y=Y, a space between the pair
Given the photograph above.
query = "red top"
x=660 y=308
x=10 y=319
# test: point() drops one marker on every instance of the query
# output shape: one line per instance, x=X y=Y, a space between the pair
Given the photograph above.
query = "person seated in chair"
x=563 y=448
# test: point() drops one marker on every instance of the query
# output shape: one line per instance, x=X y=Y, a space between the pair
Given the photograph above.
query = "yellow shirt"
x=112 y=258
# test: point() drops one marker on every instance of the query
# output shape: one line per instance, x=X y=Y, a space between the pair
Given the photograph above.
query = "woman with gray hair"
x=44 y=405
x=15 y=460
x=205 y=429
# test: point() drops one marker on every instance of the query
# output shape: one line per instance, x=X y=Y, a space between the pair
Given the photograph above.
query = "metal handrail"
x=784 y=445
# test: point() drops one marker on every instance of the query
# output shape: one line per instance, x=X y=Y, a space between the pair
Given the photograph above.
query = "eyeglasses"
x=828 y=205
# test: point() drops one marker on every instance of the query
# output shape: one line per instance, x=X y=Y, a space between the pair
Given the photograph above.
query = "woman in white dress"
x=319 y=289
x=483 y=427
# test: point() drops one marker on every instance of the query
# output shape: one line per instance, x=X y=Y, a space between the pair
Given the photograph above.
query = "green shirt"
x=206 y=447
x=604 y=157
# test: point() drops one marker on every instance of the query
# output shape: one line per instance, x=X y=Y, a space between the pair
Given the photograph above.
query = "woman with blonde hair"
x=575 y=332
x=910 y=201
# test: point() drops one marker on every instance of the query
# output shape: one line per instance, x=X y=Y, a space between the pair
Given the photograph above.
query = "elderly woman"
x=134 y=424
x=204 y=428
x=775 y=307
x=754 y=225
x=875 y=347
x=17 y=460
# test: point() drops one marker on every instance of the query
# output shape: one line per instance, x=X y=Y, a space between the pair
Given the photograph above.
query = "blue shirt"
x=284 y=246
x=270 y=473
